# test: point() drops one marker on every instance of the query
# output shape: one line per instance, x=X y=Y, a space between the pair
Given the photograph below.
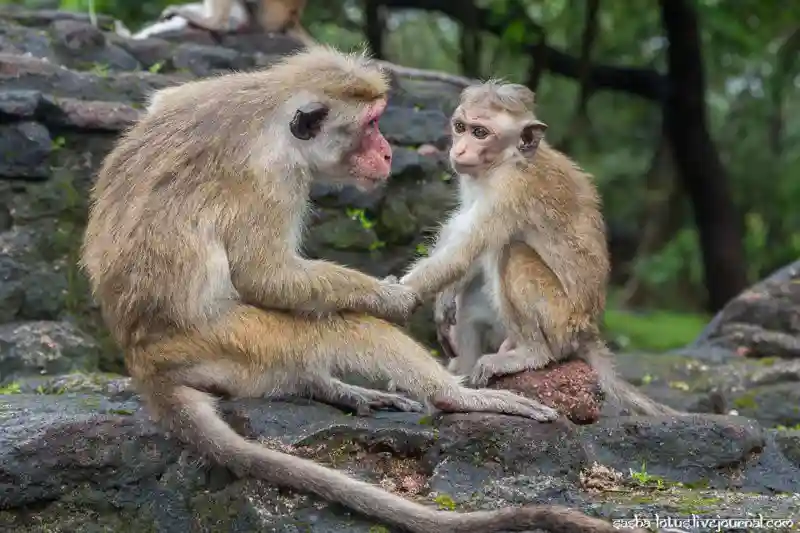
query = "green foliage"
x=654 y=331
x=644 y=479
x=11 y=388
x=445 y=502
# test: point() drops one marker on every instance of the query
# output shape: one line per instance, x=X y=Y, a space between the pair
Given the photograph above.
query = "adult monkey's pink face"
x=345 y=143
x=372 y=160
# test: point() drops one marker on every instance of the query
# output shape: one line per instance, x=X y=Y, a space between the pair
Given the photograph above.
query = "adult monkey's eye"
x=479 y=132
x=458 y=126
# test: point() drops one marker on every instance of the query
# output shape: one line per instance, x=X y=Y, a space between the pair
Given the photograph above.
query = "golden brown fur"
x=192 y=253
x=524 y=254
x=282 y=16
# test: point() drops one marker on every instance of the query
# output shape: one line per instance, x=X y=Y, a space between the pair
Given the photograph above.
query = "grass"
x=654 y=331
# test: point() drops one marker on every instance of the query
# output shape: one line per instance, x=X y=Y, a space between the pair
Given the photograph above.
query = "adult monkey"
x=524 y=253
x=191 y=250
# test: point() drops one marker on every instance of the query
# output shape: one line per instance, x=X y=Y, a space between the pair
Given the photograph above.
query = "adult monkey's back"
x=191 y=250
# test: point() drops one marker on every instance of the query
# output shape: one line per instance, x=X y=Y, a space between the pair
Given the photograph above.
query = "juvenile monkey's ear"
x=531 y=136
x=307 y=120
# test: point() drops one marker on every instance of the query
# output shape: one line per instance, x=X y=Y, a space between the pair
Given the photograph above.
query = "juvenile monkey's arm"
x=467 y=236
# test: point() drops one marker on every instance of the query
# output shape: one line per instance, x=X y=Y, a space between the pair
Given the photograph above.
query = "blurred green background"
x=699 y=204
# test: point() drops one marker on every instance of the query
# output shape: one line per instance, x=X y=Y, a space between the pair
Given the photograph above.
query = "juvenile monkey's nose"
x=387 y=158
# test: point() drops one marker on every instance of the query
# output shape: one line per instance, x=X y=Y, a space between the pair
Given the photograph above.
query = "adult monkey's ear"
x=307 y=120
x=530 y=137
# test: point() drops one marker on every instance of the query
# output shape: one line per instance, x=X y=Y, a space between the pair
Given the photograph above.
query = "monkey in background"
x=191 y=248
x=524 y=254
x=280 y=16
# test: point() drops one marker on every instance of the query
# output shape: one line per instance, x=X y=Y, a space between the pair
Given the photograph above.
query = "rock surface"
x=88 y=451
x=570 y=388
x=78 y=453
x=763 y=321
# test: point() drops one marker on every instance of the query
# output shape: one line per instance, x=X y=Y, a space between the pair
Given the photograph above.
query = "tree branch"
x=643 y=82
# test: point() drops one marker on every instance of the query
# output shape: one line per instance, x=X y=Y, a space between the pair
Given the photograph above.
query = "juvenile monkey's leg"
x=537 y=313
x=474 y=316
x=512 y=361
x=360 y=399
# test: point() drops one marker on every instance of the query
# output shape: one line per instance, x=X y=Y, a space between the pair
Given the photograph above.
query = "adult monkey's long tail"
x=192 y=414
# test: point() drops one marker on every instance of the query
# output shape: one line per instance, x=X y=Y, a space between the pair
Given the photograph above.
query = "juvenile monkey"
x=192 y=247
x=525 y=253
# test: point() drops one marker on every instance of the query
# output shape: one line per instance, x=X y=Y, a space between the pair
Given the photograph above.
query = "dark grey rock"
x=15 y=39
x=12 y=291
x=720 y=451
x=149 y=52
x=202 y=60
x=45 y=291
x=30 y=73
x=763 y=321
x=41 y=348
x=413 y=127
x=773 y=405
x=789 y=443
x=24 y=151
x=19 y=104
x=81 y=458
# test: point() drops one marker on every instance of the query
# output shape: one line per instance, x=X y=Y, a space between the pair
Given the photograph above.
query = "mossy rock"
x=342 y=232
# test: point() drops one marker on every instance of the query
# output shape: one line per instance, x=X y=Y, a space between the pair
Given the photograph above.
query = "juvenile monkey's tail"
x=192 y=414
x=601 y=359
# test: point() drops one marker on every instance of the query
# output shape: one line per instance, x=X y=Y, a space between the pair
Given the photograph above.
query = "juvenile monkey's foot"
x=504 y=363
x=496 y=401
x=362 y=400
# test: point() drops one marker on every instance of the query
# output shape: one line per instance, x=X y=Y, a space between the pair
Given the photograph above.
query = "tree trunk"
x=697 y=160
x=470 y=42
x=373 y=26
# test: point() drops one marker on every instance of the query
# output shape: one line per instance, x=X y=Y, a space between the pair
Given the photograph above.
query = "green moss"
x=445 y=502
x=11 y=388
x=768 y=361
x=378 y=529
x=746 y=401
x=644 y=479
x=697 y=484
x=100 y=69
x=653 y=331
x=156 y=67
x=691 y=504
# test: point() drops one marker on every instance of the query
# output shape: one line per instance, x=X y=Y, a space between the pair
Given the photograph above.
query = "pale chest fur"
x=489 y=261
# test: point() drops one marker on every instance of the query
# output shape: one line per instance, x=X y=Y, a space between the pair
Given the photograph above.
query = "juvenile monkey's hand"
x=395 y=302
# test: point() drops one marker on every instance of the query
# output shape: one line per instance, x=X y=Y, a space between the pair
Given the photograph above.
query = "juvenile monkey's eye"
x=479 y=132
x=458 y=126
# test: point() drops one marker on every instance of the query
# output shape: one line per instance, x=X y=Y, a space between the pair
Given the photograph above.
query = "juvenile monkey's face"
x=484 y=137
x=345 y=145
x=478 y=140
